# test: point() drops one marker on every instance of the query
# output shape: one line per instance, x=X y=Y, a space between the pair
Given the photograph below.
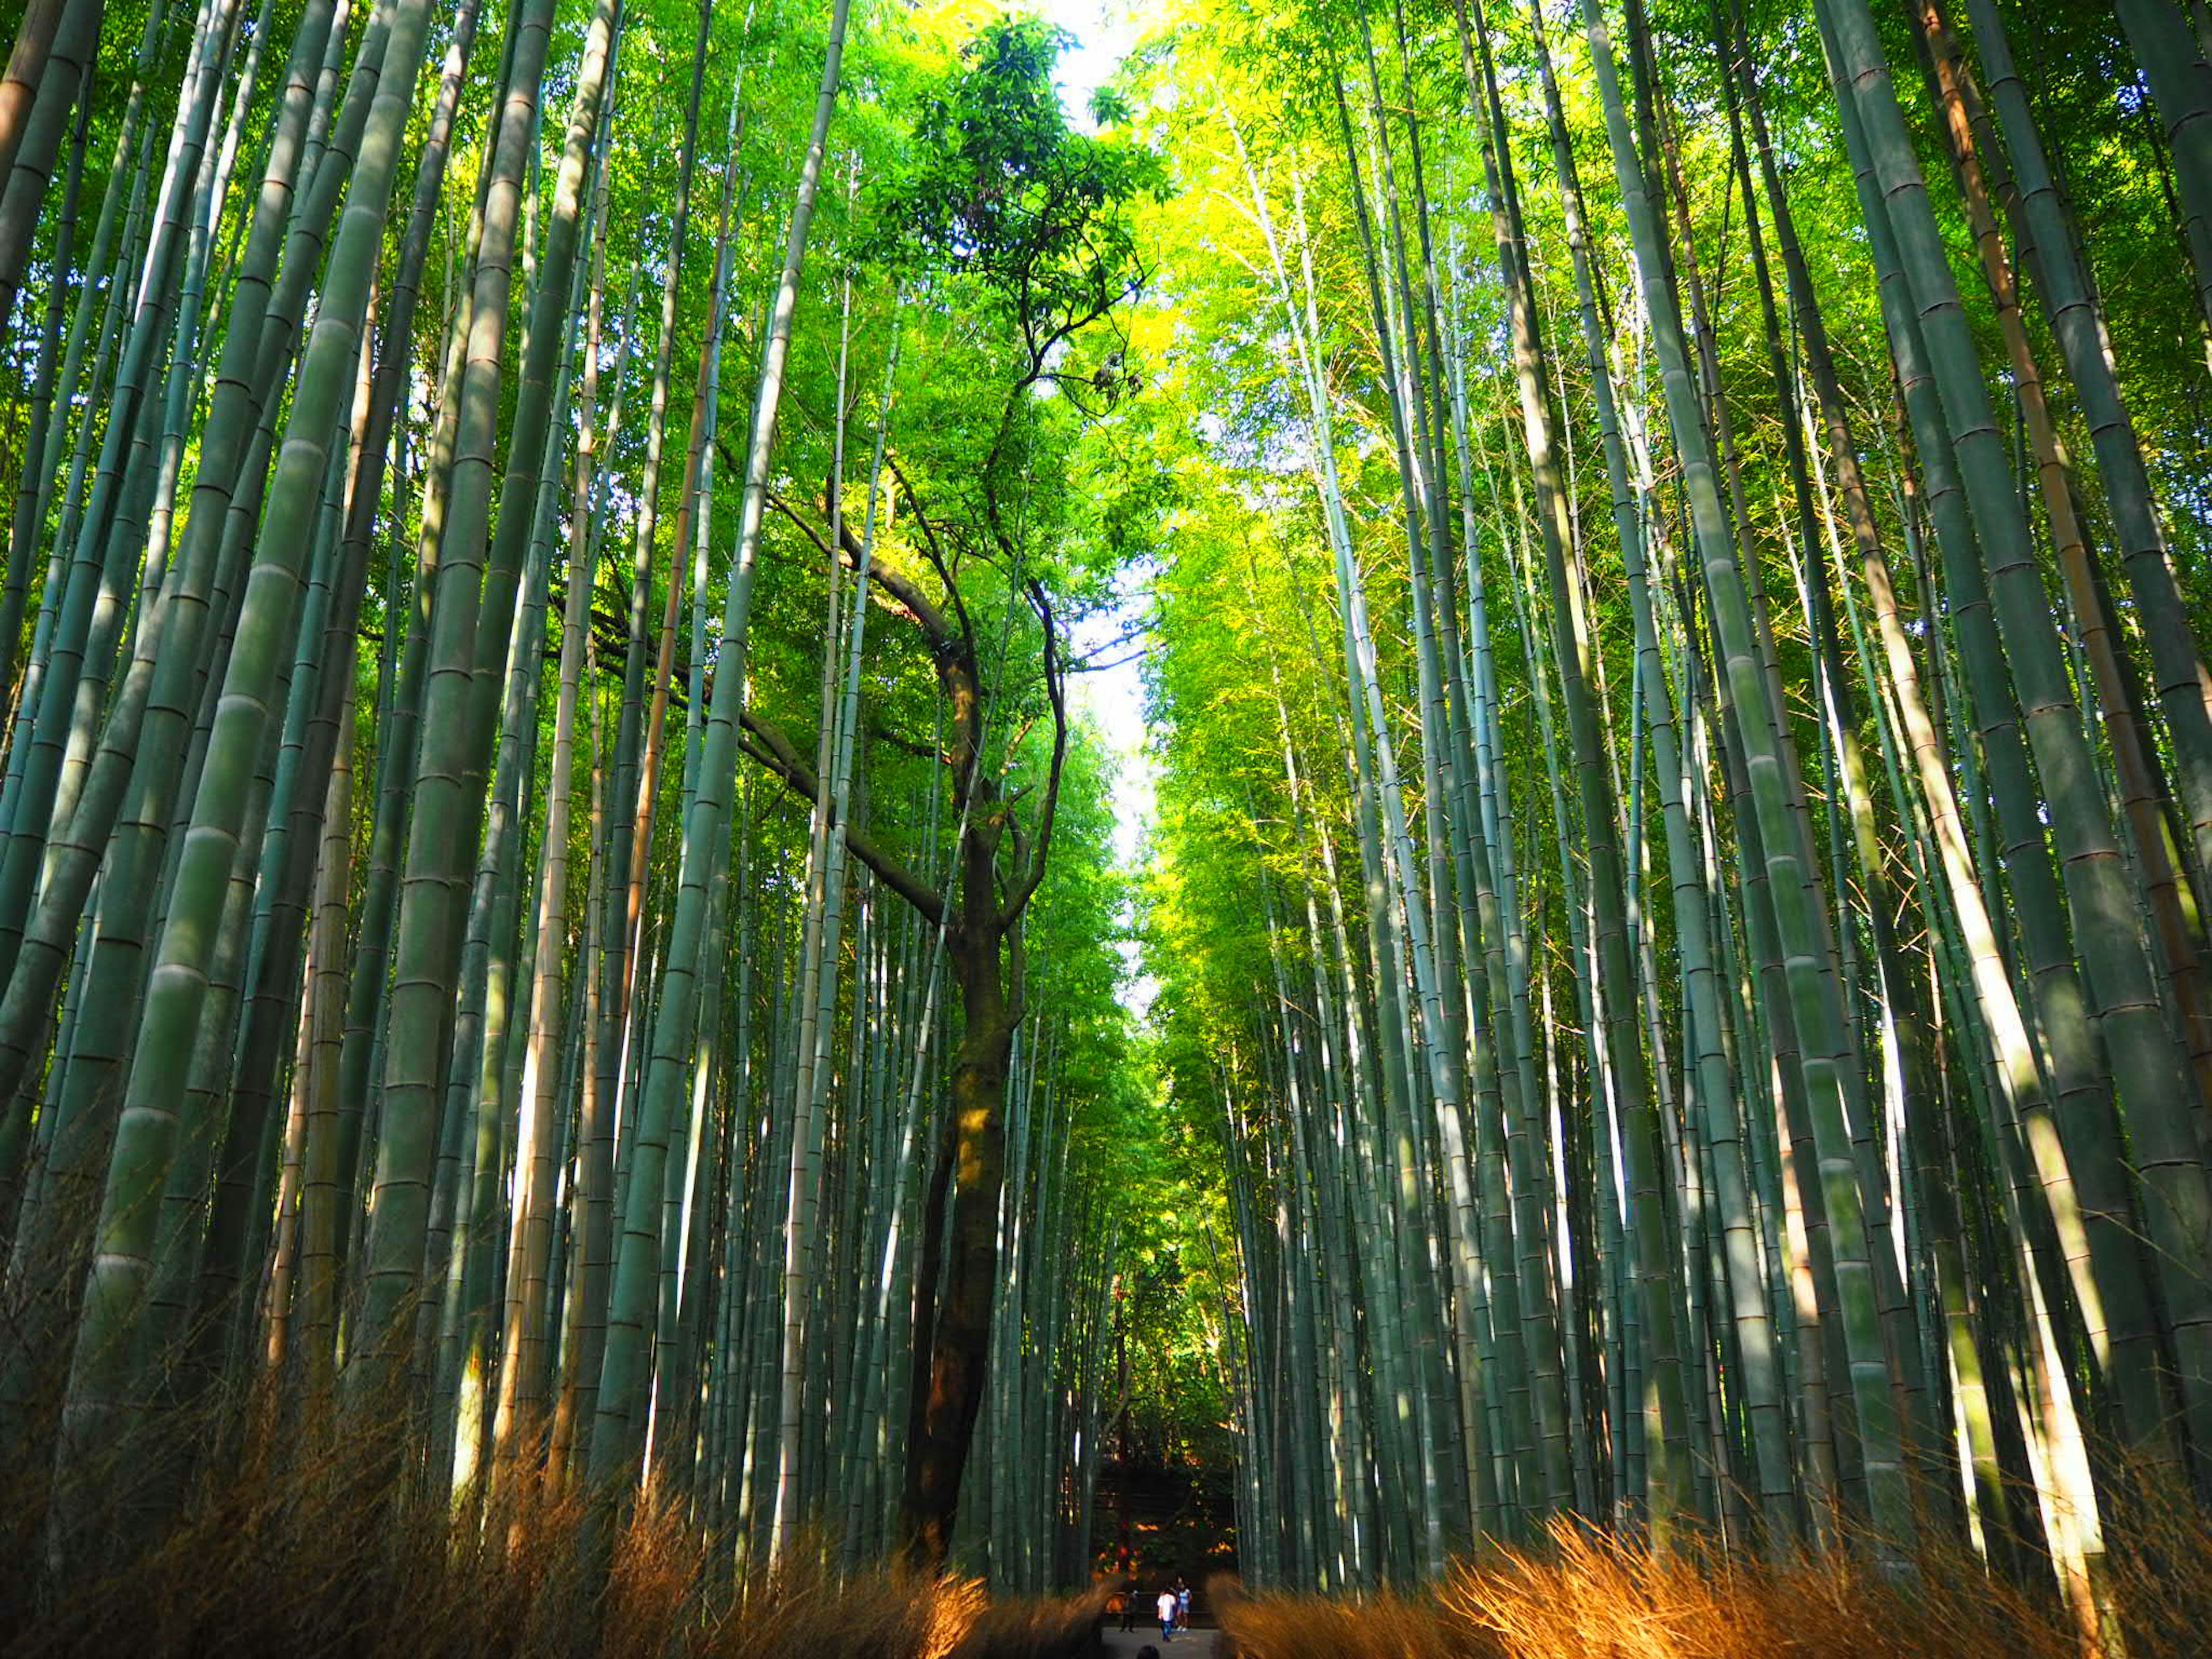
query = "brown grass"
x=302 y=1535
x=1584 y=1594
x=1035 y=1630
x=317 y=1552
x=301 y=1543
x=307 y=1533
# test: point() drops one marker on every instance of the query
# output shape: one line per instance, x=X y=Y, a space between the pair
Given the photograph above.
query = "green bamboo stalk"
x=102 y=1394
x=445 y=814
x=1715 y=1090
x=618 y=1438
x=2155 y=1090
x=1847 y=1206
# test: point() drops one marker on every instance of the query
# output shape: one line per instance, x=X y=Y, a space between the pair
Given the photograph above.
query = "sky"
x=1105 y=30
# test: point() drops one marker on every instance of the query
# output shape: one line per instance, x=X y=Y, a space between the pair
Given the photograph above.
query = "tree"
x=1006 y=206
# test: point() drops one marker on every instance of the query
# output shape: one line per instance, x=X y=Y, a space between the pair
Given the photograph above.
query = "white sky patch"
x=1104 y=32
x=1114 y=695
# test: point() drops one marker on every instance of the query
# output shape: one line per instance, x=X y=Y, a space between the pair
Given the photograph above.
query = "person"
x=1126 y=1597
x=1167 y=1614
x=1148 y=1651
x=1182 y=1602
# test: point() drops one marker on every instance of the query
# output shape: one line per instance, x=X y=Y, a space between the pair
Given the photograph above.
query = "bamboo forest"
x=847 y=827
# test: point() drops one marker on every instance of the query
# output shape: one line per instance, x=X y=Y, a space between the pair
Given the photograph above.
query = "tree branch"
x=934 y=550
x=1055 y=686
x=883 y=731
x=773 y=751
x=903 y=592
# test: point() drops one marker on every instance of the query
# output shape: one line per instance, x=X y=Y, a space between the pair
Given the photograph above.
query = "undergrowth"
x=317 y=1548
x=1583 y=1594
x=311 y=1534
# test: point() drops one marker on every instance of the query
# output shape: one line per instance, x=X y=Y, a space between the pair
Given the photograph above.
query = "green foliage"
x=1002 y=195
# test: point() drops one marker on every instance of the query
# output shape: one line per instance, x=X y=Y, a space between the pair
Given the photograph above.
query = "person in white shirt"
x=1167 y=1615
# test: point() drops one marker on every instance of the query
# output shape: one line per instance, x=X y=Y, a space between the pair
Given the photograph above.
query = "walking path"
x=1190 y=1644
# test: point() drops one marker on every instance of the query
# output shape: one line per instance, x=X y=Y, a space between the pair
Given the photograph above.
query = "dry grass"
x=309 y=1537
x=302 y=1532
x=1035 y=1630
x=1589 y=1595
x=302 y=1543
x=297 y=1553
x=1593 y=1595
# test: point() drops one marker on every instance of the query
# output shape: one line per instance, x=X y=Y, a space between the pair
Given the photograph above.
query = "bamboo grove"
x=557 y=916
x=1679 y=884
x=559 y=925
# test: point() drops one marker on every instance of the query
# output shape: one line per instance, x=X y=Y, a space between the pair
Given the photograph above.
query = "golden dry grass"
x=1584 y=1595
x=301 y=1537
x=294 y=1554
x=311 y=1532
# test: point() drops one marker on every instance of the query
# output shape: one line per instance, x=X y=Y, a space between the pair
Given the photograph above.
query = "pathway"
x=1190 y=1644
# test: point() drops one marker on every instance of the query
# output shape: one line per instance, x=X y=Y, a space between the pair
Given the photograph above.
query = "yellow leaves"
x=1152 y=333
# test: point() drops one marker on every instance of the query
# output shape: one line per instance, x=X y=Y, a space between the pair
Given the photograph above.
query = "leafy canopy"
x=999 y=190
